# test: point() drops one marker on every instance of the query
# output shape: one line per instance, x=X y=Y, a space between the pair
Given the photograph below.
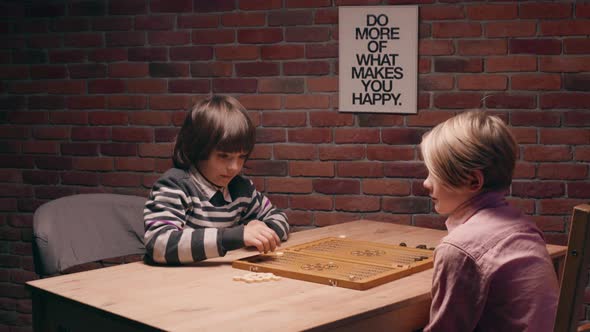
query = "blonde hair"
x=218 y=122
x=467 y=142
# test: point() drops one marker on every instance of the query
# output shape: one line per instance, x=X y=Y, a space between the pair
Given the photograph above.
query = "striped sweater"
x=187 y=219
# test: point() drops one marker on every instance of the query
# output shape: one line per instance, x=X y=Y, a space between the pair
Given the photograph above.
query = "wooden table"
x=203 y=296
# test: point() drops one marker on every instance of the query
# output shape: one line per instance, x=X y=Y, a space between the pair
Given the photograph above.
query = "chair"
x=84 y=228
x=575 y=269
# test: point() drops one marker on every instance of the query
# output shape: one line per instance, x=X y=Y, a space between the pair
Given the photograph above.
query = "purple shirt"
x=492 y=272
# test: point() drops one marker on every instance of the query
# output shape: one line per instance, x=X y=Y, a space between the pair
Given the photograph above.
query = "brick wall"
x=92 y=94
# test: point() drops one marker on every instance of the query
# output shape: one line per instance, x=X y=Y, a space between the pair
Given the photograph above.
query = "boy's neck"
x=479 y=201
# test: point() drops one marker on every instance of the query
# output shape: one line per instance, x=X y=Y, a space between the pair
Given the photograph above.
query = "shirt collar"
x=207 y=187
x=484 y=200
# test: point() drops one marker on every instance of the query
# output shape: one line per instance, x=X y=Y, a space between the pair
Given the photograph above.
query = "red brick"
x=127 y=102
x=295 y=152
x=492 y=12
x=134 y=164
x=147 y=86
x=333 y=218
x=306 y=68
x=311 y=168
x=39 y=147
x=443 y=12
x=482 y=47
x=216 y=69
x=128 y=7
x=535 y=46
x=18 y=176
x=249 y=69
x=565 y=28
x=108 y=118
x=524 y=171
x=128 y=70
x=565 y=136
x=166 y=134
x=61 y=56
x=270 y=135
x=578 y=189
x=386 y=187
x=396 y=136
x=289 y=185
x=562 y=171
x=576 y=118
x=455 y=29
x=171 y=6
x=307 y=3
x=174 y=38
x=547 y=153
x=435 y=47
x=214 y=6
x=537 y=118
x=307 y=34
x=259 y=4
x=565 y=64
x=112 y=23
x=310 y=135
x=336 y=186
x=558 y=206
x=342 y=152
x=15 y=72
x=538 y=189
x=428 y=118
x=565 y=100
x=361 y=169
x=380 y=120
x=435 y=82
x=150 y=118
x=313 y=51
x=307 y=102
x=79 y=149
x=43 y=102
x=133 y=134
x=311 y=202
x=260 y=151
x=198 y=21
x=280 y=85
x=322 y=84
x=169 y=69
x=120 y=179
x=482 y=82
x=536 y=82
x=83 y=40
x=52 y=192
x=545 y=10
x=93 y=163
x=330 y=119
x=356 y=135
x=260 y=36
x=106 y=86
x=57 y=163
x=242 y=52
x=458 y=100
x=292 y=17
x=126 y=38
x=260 y=102
x=576 y=45
x=464 y=65
x=582 y=153
x=511 y=29
x=189 y=86
x=390 y=153
x=48 y=71
x=87 y=70
x=211 y=37
x=227 y=85
x=160 y=22
x=356 y=203
x=243 y=19
x=405 y=170
x=510 y=101
x=118 y=149
x=69 y=117
x=40 y=177
x=91 y=133
x=148 y=54
x=326 y=16
x=284 y=119
x=577 y=82
x=299 y=218
x=169 y=102
x=511 y=64
x=66 y=87
x=51 y=133
x=406 y=204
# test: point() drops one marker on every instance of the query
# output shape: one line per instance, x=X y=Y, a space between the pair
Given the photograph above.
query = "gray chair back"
x=85 y=228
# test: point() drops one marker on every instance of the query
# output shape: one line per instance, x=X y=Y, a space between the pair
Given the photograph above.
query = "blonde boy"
x=492 y=271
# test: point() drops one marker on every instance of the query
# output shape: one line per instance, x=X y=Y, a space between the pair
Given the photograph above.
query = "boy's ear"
x=476 y=180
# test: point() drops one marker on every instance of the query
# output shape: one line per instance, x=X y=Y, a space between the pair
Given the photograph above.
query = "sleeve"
x=166 y=238
x=262 y=209
x=458 y=291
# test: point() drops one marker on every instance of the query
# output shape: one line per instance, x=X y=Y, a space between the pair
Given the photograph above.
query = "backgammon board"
x=341 y=262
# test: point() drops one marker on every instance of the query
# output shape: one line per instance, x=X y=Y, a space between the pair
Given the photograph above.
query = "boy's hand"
x=257 y=234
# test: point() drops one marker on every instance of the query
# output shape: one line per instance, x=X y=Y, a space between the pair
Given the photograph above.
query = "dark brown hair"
x=218 y=122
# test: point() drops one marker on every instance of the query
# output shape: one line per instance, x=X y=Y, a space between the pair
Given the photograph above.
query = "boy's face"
x=222 y=167
x=446 y=200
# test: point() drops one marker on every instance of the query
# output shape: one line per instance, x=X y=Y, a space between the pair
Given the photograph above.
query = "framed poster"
x=378 y=59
